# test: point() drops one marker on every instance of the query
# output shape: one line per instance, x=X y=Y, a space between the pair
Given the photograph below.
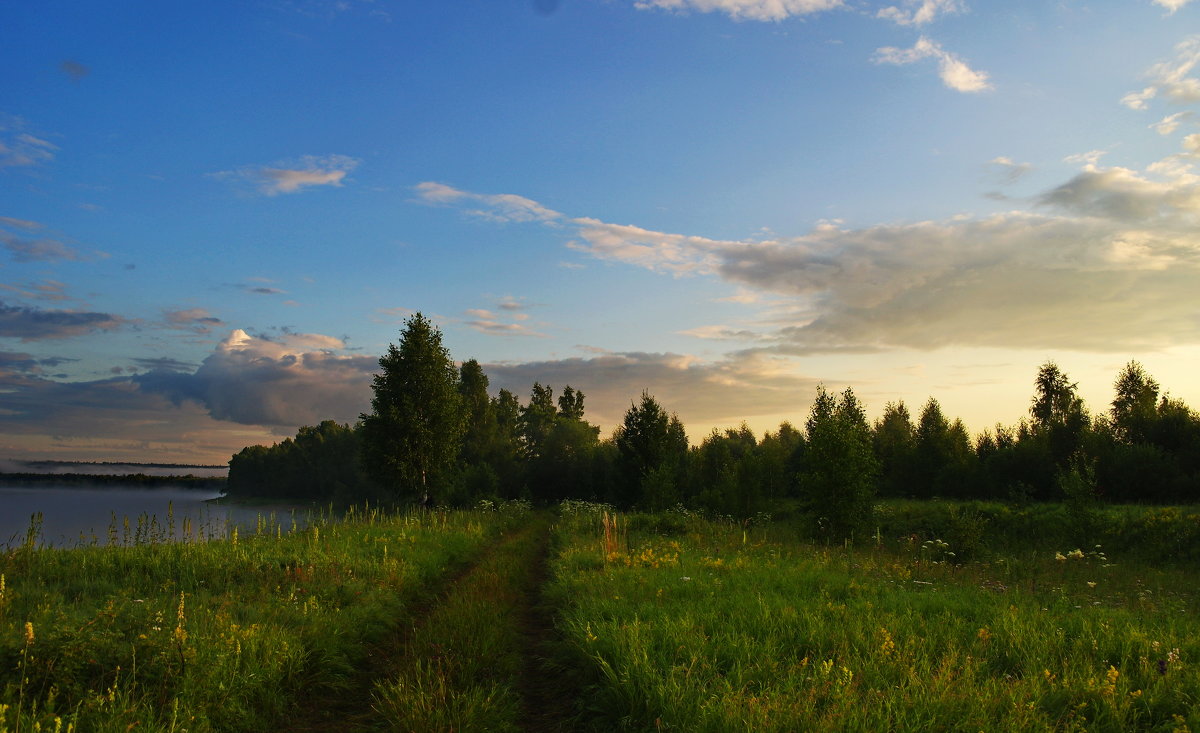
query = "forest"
x=436 y=436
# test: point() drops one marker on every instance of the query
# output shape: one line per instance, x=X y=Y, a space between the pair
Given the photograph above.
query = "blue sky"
x=215 y=216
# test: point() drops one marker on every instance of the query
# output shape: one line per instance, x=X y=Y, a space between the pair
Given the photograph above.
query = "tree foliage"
x=413 y=433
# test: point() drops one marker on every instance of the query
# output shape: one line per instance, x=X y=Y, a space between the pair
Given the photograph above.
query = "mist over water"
x=71 y=511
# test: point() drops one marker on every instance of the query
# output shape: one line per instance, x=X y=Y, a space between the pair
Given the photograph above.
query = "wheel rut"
x=488 y=631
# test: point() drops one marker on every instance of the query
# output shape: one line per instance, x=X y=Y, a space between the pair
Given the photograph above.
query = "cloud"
x=46 y=290
x=658 y=251
x=164 y=364
x=1124 y=194
x=919 y=12
x=1107 y=262
x=723 y=333
x=1091 y=157
x=35 y=324
x=489 y=322
x=1171 y=123
x=197 y=320
x=40 y=250
x=111 y=419
x=11 y=223
x=501 y=208
x=728 y=390
x=954 y=72
x=74 y=69
x=294 y=380
x=294 y=176
x=764 y=10
x=1172 y=5
x=1010 y=172
x=19 y=148
x=1169 y=79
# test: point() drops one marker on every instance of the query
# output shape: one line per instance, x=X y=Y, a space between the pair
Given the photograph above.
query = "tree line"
x=435 y=435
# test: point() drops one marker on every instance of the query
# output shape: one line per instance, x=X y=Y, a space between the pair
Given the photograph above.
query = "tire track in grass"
x=349 y=709
x=476 y=663
x=547 y=703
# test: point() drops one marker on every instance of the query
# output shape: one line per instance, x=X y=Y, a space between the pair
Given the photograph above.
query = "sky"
x=214 y=217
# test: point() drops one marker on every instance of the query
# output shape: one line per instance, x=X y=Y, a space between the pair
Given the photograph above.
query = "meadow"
x=681 y=623
x=951 y=617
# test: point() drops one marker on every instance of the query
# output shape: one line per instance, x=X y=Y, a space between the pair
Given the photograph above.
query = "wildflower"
x=1075 y=554
x=1059 y=556
x=28 y=633
x=1110 y=681
x=984 y=634
x=1091 y=584
x=888 y=647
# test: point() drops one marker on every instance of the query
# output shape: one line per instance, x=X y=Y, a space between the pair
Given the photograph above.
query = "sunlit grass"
x=719 y=628
x=212 y=635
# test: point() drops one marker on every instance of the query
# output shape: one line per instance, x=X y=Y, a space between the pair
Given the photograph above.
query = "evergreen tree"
x=414 y=430
x=646 y=440
x=895 y=439
x=838 y=480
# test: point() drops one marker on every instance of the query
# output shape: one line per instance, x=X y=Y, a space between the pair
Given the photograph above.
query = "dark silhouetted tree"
x=413 y=433
x=840 y=469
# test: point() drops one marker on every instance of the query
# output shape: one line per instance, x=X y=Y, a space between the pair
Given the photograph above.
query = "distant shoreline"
x=186 y=481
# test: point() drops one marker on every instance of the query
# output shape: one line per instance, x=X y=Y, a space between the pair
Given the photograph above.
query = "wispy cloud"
x=52 y=290
x=764 y=10
x=1009 y=170
x=1171 y=123
x=1169 y=79
x=504 y=207
x=294 y=176
x=508 y=323
x=196 y=320
x=19 y=148
x=953 y=71
x=919 y=12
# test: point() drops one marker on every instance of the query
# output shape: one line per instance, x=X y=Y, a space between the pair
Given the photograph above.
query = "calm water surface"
x=68 y=512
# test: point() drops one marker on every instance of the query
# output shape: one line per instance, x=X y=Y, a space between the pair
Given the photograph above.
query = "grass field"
x=518 y=620
x=719 y=627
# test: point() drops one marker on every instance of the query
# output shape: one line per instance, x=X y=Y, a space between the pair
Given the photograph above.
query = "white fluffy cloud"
x=764 y=10
x=296 y=379
x=953 y=71
x=1172 y=5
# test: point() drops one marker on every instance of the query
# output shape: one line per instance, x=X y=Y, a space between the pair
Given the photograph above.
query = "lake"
x=69 y=511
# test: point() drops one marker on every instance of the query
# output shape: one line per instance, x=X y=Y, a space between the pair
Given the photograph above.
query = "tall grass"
x=222 y=634
x=722 y=628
